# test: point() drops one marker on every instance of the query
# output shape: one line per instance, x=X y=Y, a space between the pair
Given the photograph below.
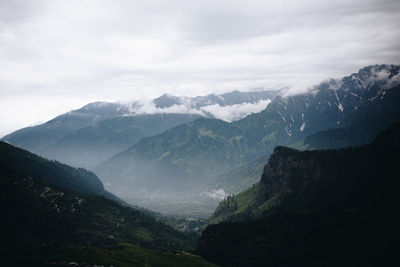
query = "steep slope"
x=48 y=218
x=190 y=150
x=91 y=134
x=195 y=152
x=38 y=138
x=226 y=99
x=358 y=132
x=374 y=89
x=78 y=180
x=318 y=208
x=240 y=178
x=96 y=143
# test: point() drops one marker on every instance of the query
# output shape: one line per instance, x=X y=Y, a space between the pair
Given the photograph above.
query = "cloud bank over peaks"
x=228 y=107
x=237 y=111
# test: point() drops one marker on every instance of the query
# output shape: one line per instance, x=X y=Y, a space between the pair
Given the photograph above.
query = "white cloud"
x=18 y=112
x=150 y=108
x=226 y=113
x=218 y=194
x=235 y=112
x=110 y=50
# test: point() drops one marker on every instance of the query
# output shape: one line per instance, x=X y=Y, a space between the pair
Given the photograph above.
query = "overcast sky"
x=58 y=55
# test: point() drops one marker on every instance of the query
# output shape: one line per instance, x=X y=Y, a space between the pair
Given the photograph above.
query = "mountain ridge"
x=286 y=120
x=113 y=127
x=314 y=208
x=54 y=214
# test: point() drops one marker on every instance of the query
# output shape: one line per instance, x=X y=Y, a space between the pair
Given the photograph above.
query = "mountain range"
x=189 y=157
x=307 y=180
x=93 y=133
x=191 y=154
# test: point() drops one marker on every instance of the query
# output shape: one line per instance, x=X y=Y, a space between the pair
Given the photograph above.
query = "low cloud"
x=218 y=194
x=226 y=113
x=235 y=112
x=149 y=108
x=110 y=50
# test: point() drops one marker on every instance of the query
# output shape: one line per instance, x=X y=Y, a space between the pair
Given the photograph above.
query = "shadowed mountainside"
x=53 y=213
x=315 y=208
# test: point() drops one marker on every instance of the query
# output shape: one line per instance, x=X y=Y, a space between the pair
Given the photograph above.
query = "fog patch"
x=225 y=113
x=149 y=107
x=236 y=112
x=379 y=75
x=218 y=194
x=393 y=81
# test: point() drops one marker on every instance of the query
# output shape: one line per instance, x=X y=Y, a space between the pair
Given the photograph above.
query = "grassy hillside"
x=94 y=144
x=240 y=178
x=177 y=160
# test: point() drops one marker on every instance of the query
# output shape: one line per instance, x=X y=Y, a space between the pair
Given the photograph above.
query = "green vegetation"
x=42 y=221
x=234 y=205
x=358 y=132
x=178 y=160
x=240 y=178
x=52 y=172
x=187 y=158
x=94 y=144
x=313 y=208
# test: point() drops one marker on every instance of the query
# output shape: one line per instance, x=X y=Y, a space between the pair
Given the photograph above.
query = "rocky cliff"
x=313 y=208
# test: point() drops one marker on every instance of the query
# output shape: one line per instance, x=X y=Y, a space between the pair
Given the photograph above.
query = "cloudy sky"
x=58 y=55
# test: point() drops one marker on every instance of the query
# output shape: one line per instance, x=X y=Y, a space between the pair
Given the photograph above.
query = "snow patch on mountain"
x=302 y=126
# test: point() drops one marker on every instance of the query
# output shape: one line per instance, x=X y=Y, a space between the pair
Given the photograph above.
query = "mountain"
x=313 y=208
x=238 y=179
x=358 y=132
x=37 y=138
x=373 y=90
x=223 y=100
x=173 y=160
x=52 y=172
x=54 y=214
x=94 y=144
x=188 y=157
x=93 y=133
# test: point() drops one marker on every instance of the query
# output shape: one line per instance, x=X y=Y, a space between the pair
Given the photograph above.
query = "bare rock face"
x=312 y=180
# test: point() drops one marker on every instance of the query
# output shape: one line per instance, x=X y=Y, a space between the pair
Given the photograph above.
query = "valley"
x=305 y=178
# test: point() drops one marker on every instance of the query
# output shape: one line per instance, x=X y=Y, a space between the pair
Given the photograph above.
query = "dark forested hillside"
x=55 y=173
x=53 y=213
x=314 y=208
